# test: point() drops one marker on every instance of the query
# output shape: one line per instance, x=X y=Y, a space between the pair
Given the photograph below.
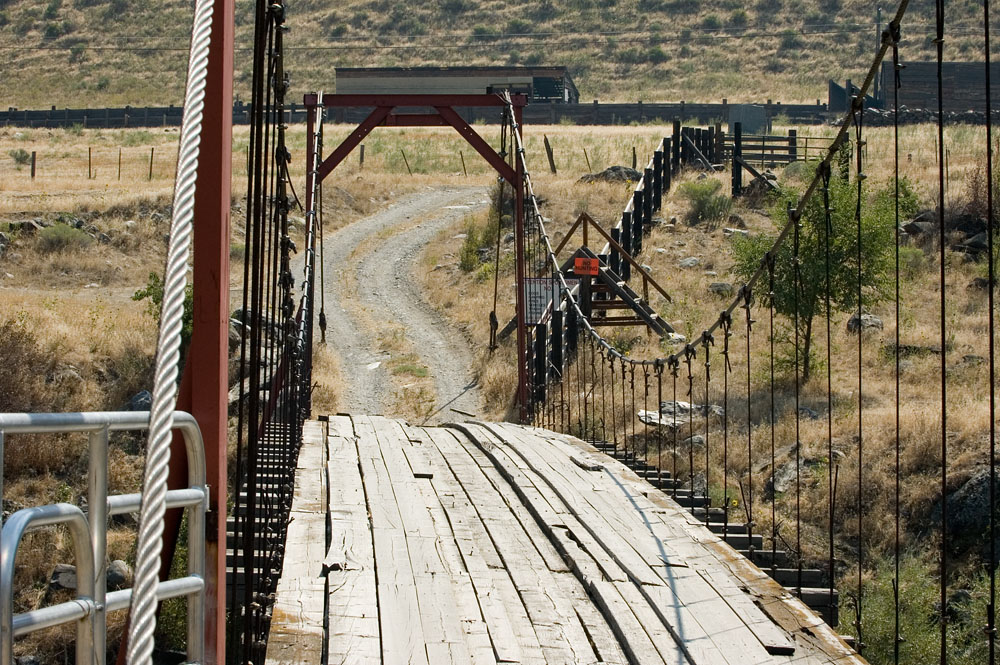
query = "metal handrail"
x=89 y=533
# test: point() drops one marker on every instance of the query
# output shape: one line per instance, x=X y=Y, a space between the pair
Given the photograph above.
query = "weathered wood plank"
x=398 y=609
x=557 y=626
x=298 y=614
x=354 y=634
x=510 y=628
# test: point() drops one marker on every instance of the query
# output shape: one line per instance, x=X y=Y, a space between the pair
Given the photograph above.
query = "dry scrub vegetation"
x=694 y=307
x=661 y=50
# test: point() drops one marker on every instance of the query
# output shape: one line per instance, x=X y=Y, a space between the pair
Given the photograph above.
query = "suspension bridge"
x=584 y=533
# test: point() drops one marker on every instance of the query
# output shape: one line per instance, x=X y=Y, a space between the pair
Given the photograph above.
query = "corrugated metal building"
x=540 y=84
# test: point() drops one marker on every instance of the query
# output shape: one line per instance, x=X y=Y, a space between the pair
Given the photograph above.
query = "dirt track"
x=371 y=289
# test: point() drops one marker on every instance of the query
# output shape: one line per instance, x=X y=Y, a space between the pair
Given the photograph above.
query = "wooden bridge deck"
x=493 y=543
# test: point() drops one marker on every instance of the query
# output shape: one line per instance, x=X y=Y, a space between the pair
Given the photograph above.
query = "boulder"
x=613 y=174
x=696 y=441
x=976 y=244
x=27 y=227
x=980 y=283
x=4 y=238
x=119 y=575
x=141 y=401
x=680 y=413
x=969 y=512
x=920 y=228
x=689 y=262
x=866 y=323
x=724 y=289
x=809 y=414
x=63 y=577
x=235 y=335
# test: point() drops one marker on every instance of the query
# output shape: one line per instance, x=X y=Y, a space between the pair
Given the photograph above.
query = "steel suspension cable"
x=894 y=35
x=142 y=623
x=991 y=630
x=859 y=119
x=942 y=239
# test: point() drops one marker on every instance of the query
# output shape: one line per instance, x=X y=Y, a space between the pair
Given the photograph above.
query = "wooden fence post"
x=550 y=154
x=464 y=170
x=647 y=202
x=615 y=259
x=361 y=154
x=667 y=158
x=119 y=164
x=90 y=163
x=635 y=160
x=587 y=157
x=541 y=337
x=406 y=161
x=152 y=151
x=556 y=346
x=675 y=158
x=793 y=145
x=33 y=156
x=720 y=144
x=737 y=156
x=658 y=178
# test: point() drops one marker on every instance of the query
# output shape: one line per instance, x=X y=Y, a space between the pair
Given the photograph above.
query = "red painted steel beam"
x=476 y=141
x=415 y=120
x=362 y=101
x=376 y=118
x=208 y=357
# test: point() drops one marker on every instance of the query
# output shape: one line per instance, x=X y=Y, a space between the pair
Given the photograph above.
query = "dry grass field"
x=110 y=52
x=91 y=347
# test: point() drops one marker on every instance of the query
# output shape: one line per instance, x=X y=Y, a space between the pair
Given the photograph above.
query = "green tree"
x=877 y=247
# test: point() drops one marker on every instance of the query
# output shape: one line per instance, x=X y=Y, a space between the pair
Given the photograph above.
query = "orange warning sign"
x=585 y=266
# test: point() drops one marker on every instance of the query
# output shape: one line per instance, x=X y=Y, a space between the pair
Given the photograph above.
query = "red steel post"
x=209 y=353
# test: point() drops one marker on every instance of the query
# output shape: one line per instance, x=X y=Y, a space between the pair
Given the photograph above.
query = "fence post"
x=33 y=164
x=667 y=170
x=550 y=154
x=737 y=156
x=793 y=144
x=658 y=178
x=119 y=164
x=361 y=155
x=638 y=221
x=572 y=329
x=647 y=201
x=675 y=160
x=541 y=336
x=152 y=151
x=556 y=347
x=720 y=144
x=626 y=241
x=616 y=258
x=90 y=163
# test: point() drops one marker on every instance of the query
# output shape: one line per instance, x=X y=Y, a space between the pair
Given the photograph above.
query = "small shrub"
x=711 y=22
x=153 y=293
x=518 y=27
x=4 y=20
x=63 y=238
x=708 y=202
x=790 y=39
x=52 y=9
x=739 y=18
x=20 y=156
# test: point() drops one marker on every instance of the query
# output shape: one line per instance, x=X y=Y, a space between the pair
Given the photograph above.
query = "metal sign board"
x=587 y=266
x=539 y=293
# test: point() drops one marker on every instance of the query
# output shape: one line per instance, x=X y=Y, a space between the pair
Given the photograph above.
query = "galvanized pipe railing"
x=89 y=534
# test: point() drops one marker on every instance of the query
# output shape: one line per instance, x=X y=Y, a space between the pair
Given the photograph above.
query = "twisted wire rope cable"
x=154 y=490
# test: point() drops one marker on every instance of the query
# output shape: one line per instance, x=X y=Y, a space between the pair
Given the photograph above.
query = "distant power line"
x=478 y=41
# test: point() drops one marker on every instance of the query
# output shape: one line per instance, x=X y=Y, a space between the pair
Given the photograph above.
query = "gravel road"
x=388 y=292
